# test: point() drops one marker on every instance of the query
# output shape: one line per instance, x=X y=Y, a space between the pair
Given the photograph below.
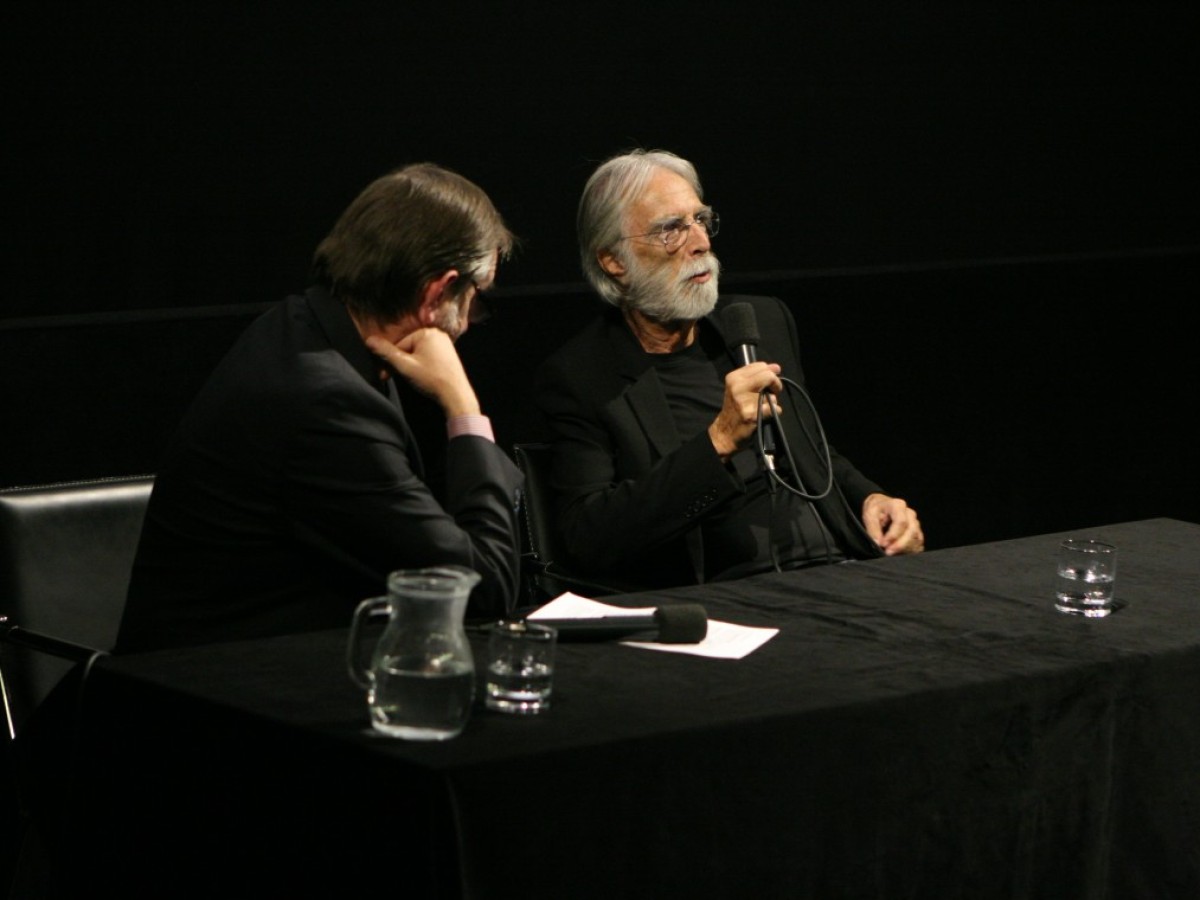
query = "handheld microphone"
x=741 y=339
x=681 y=623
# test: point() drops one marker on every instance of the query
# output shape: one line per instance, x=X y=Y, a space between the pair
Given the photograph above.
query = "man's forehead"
x=666 y=193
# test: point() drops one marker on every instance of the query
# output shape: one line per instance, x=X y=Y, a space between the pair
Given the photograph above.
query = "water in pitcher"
x=430 y=704
x=420 y=681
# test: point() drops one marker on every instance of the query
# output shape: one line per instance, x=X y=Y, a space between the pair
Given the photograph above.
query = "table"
x=921 y=727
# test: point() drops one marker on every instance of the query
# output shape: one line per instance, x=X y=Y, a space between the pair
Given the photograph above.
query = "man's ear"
x=610 y=264
x=435 y=292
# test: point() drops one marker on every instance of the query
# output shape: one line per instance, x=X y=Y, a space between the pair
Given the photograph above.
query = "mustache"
x=700 y=267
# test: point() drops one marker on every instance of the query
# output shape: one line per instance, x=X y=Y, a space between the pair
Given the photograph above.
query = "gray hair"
x=607 y=195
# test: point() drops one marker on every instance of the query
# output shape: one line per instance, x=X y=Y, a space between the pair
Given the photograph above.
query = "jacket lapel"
x=343 y=337
x=647 y=402
x=644 y=396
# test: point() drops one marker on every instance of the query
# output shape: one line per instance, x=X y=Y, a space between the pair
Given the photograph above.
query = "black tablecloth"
x=921 y=727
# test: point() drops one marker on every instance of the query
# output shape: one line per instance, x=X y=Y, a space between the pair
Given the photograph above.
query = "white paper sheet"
x=723 y=640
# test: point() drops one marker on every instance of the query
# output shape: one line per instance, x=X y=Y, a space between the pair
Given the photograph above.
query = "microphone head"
x=681 y=623
x=741 y=326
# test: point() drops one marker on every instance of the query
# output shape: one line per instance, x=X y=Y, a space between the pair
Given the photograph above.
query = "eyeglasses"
x=480 y=311
x=674 y=232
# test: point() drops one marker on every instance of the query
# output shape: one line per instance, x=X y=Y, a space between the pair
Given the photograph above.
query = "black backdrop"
x=943 y=192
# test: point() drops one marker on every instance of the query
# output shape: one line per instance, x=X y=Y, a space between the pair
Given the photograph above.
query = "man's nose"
x=698 y=240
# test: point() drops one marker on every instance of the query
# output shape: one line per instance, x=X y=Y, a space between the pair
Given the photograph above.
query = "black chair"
x=65 y=555
x=546 y=573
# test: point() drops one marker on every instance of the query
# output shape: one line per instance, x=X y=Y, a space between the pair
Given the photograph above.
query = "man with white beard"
x=654 y=413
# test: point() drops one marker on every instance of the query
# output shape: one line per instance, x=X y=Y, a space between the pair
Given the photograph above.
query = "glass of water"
x=520 y=667
x=1087 y=576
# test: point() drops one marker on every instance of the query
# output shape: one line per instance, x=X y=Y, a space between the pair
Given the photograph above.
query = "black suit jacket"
x=631 y=490
x=294 y=486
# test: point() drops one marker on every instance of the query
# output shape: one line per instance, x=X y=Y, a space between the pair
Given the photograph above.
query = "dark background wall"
x=983 y=215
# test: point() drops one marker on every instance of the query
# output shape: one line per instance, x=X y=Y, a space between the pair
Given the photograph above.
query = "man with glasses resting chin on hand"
x=685 y=447
x=294 y=484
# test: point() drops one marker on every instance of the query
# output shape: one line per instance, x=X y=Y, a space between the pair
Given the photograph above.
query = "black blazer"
x=631 y=491
x=294 y=486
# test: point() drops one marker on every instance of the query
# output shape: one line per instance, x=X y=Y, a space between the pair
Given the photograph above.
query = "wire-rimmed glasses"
x=672 y=233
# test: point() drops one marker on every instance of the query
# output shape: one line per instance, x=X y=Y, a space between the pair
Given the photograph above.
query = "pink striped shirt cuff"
x=480 y=426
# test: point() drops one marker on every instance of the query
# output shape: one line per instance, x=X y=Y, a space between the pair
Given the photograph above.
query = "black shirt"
x=761 y=529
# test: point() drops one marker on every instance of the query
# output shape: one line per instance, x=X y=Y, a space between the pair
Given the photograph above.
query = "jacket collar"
x=630 y=360
x=334 y=320
x=644 y=394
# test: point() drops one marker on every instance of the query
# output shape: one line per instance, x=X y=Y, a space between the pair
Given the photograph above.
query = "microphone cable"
x=821 y=448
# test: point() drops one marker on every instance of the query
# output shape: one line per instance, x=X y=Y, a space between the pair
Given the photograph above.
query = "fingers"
x=427 y=359
x=738 y=417
x=743 y=393
x=893 y=525
x=753 y=379
x=422 y=349
x=386 y=351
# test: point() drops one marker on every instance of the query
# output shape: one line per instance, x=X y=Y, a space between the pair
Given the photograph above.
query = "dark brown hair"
x=403 y=230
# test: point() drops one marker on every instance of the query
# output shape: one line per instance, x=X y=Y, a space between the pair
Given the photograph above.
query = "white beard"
x=665 y=296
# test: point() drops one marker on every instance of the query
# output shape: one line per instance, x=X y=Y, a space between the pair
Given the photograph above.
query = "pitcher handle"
x=357 y=647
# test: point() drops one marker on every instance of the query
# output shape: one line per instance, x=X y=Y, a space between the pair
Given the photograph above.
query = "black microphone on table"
x=680 y=623
x=741 y=339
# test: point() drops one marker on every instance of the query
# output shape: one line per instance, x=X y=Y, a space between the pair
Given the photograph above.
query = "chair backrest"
x=547 y=573
x=66 y=551
x=541 y=541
